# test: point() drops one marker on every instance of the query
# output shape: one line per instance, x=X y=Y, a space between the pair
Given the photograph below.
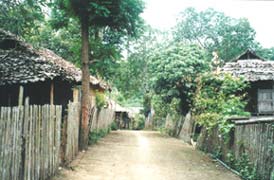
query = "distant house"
x=260 y=73
x=39 y=74
x=122 y=118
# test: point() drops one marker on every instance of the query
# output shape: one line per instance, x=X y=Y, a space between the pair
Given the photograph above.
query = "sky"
x=162 y=14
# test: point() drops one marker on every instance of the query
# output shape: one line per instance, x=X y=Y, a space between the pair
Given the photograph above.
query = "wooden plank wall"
x=257 y=140
x=72 y=131
x=29 y=141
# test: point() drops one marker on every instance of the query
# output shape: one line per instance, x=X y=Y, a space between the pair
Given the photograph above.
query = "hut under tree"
x=39 y=74
x=260 y=74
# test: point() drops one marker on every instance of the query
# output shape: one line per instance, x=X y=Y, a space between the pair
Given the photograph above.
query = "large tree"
x=118 y=15
x=173 y=70
x=215 y=31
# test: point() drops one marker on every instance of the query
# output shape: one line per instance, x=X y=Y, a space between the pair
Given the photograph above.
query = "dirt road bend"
x=143 y=155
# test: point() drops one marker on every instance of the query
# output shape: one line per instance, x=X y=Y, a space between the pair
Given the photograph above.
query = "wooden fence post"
x=21 y=96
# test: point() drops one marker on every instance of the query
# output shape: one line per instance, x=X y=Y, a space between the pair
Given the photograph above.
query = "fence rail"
x=29 y=141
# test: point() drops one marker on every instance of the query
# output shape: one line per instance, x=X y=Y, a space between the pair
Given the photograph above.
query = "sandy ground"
x=143 y=155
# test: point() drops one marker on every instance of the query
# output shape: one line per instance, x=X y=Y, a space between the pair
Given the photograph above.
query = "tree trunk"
x=85 y=102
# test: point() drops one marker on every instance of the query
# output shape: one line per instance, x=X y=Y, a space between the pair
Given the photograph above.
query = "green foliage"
x=147 y=104
x=173 y=70
x=266 y=53
x=119 y=16
x=166 y=116
x=138 y=123
x=161 y=111
x=95 y=135
x=22 y=17
x=215 y=32
x=100 y=100
x=219 y=97
x=246 y=169
x=131 y=75
x=114 y=126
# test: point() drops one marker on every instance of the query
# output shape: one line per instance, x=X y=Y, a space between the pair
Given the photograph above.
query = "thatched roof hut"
x=260 y=73
x=40 y=71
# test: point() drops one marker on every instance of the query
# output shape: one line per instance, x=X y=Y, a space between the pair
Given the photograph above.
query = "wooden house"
x=122 y=118
x=39 y=74
x=260 y=74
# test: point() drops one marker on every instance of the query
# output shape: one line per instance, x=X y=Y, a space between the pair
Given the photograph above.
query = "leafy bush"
x=138 y=122
x=246 y=169
x=113 y=126
x=100 y=100
x=94 y=136
x=173 y=70
x=219 y=97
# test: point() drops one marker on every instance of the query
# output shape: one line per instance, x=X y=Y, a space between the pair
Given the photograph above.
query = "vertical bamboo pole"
x=51 y=93
x=75 y=94
x=21 y=96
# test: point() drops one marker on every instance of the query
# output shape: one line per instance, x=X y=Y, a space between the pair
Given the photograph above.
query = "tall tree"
x=118 y=15
x=215 y=31
x=173 y=71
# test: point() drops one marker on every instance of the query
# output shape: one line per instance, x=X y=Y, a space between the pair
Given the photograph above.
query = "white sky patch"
x=162 y=14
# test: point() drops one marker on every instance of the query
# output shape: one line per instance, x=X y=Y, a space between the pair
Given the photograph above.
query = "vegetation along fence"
x=251 y=142
x=29 y=141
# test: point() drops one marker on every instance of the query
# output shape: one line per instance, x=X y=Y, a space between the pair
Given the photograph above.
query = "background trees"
x=22 y=17
x=214 y=31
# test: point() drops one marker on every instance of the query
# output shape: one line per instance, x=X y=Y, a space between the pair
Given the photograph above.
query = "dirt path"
x=143 y=155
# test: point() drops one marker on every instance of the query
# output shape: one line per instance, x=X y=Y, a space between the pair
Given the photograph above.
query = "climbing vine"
x=219 y=97
x=100 y=100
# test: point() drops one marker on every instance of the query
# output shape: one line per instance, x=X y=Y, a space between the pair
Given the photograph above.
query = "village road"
x=143 y=155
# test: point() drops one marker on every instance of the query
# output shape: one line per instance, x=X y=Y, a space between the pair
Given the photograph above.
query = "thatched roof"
x=251 y=67
x=115 y=106
x=20 y=63
x=248 y=54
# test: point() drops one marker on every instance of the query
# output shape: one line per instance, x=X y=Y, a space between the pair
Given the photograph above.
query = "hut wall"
x=38 y=93
x=63 y=93
x=9 y=95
